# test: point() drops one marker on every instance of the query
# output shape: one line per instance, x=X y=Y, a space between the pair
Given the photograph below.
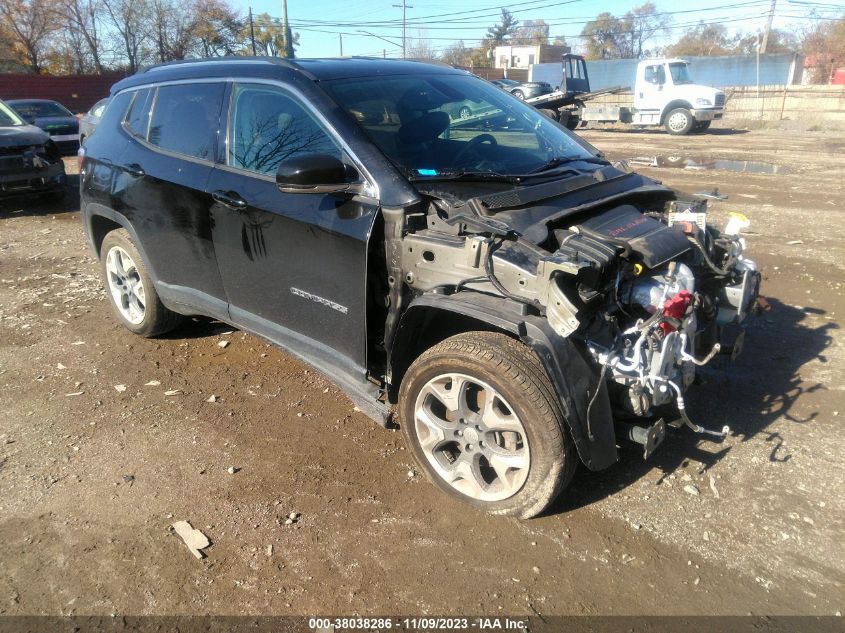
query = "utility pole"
x=768 y=28
x=286 y=26
x=252 y=32
x=340 y=37
x=384 y=53
x=404 y=6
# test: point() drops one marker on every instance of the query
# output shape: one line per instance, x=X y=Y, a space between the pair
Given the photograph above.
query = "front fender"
x=565 y=360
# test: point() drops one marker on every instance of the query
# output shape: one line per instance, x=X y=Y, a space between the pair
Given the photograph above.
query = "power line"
x=716 y=21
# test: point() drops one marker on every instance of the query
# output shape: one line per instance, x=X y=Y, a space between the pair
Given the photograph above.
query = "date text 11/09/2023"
x=418 y=624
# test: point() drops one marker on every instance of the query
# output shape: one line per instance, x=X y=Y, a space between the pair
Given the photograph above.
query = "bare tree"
x=84 y=19
x=421 y=47
x=171 y=27
x=131 y=23
x=456 y=55
x=30 y=24
x=640 y=25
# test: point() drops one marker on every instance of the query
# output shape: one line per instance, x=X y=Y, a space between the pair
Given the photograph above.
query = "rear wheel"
x=130 y=288
x=464 y=112
x=701 y=126
x=679 y=122
x=518 y=94
x=552 y=114
x=481 y=417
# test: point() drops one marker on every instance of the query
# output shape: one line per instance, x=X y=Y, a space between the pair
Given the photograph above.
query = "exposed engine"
x=677 y=285
x=651 y=293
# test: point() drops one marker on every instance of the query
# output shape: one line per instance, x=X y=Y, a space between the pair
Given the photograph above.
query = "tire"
x=541 y=457
x=552 y=114
x=518 y=94
x=130 y=288
x=701 y=126
x=679 y=122
x=464 y=112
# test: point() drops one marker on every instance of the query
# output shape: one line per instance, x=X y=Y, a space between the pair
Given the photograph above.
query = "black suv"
x=517 y=297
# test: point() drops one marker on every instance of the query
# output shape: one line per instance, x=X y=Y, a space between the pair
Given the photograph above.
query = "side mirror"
x=317 y=173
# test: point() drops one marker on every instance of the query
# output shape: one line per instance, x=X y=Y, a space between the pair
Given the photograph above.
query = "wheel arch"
x=434 y=317
x=102 y=220
x=677 y=103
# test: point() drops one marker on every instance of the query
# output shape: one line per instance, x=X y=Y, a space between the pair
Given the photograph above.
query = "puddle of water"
x=709 y=164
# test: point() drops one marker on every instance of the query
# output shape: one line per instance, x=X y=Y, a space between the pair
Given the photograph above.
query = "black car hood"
x=15 y=135
x=47 y=122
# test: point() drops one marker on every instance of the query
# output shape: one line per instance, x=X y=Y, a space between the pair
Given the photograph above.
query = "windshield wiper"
x=491 y=176
x=557 y=161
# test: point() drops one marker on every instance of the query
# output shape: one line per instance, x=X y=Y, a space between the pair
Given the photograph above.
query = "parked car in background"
x=29 y=160
x=90 y=119
x=524 y=89
x=53 y=118
x=466 y=109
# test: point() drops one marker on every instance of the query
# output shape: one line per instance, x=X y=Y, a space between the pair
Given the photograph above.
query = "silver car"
x=90 y=119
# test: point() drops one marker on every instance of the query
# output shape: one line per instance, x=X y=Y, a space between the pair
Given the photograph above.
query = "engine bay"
x=648 y=287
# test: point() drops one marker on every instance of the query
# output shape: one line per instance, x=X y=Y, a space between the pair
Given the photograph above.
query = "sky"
x=322 y=23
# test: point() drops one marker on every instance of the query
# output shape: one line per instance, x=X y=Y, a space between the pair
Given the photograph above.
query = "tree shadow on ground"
x=763 y=386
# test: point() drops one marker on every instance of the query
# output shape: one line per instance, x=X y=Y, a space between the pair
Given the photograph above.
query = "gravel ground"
x=97 y=460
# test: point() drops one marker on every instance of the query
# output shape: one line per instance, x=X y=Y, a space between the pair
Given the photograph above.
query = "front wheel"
x=701 y=126
x=464 y=112
x=481 y=417
x=518 y=94
x=679 y=122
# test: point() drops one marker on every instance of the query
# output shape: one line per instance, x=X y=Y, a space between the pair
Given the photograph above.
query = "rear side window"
x=185 y=119
x=268 y=127
x=138 y=118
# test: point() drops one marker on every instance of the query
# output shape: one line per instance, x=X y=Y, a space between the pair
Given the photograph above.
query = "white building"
x=523 y=56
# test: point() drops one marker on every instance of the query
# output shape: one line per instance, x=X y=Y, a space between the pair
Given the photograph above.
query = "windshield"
x=37 y=109
x=680 y=74
x=507 y=82
x=8 y=116
x=433 y=125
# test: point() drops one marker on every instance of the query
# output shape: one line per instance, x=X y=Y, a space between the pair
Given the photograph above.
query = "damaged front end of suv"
x=617 y=284
x=627 y=272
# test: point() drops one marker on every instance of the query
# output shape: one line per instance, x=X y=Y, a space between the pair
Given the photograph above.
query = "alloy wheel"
x=125 y=285
x=471 y=437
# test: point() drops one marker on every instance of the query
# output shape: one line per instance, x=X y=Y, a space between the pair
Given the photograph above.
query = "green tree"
x=499 y=33
x=704 y=40
x=269 y=37
x=532 y=33
x=779 y=42
x=217 y=29
x=603 y=37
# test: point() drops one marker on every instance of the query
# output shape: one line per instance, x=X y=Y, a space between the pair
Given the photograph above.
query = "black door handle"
x=134 y=169
x=230 y=199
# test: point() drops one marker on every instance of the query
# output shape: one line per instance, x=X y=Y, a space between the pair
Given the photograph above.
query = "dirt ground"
x=97 y=461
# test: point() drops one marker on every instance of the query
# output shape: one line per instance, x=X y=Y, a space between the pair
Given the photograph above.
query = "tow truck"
x=664 y=95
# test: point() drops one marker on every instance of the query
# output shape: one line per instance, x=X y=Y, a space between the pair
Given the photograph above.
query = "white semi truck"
x=664 y=95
